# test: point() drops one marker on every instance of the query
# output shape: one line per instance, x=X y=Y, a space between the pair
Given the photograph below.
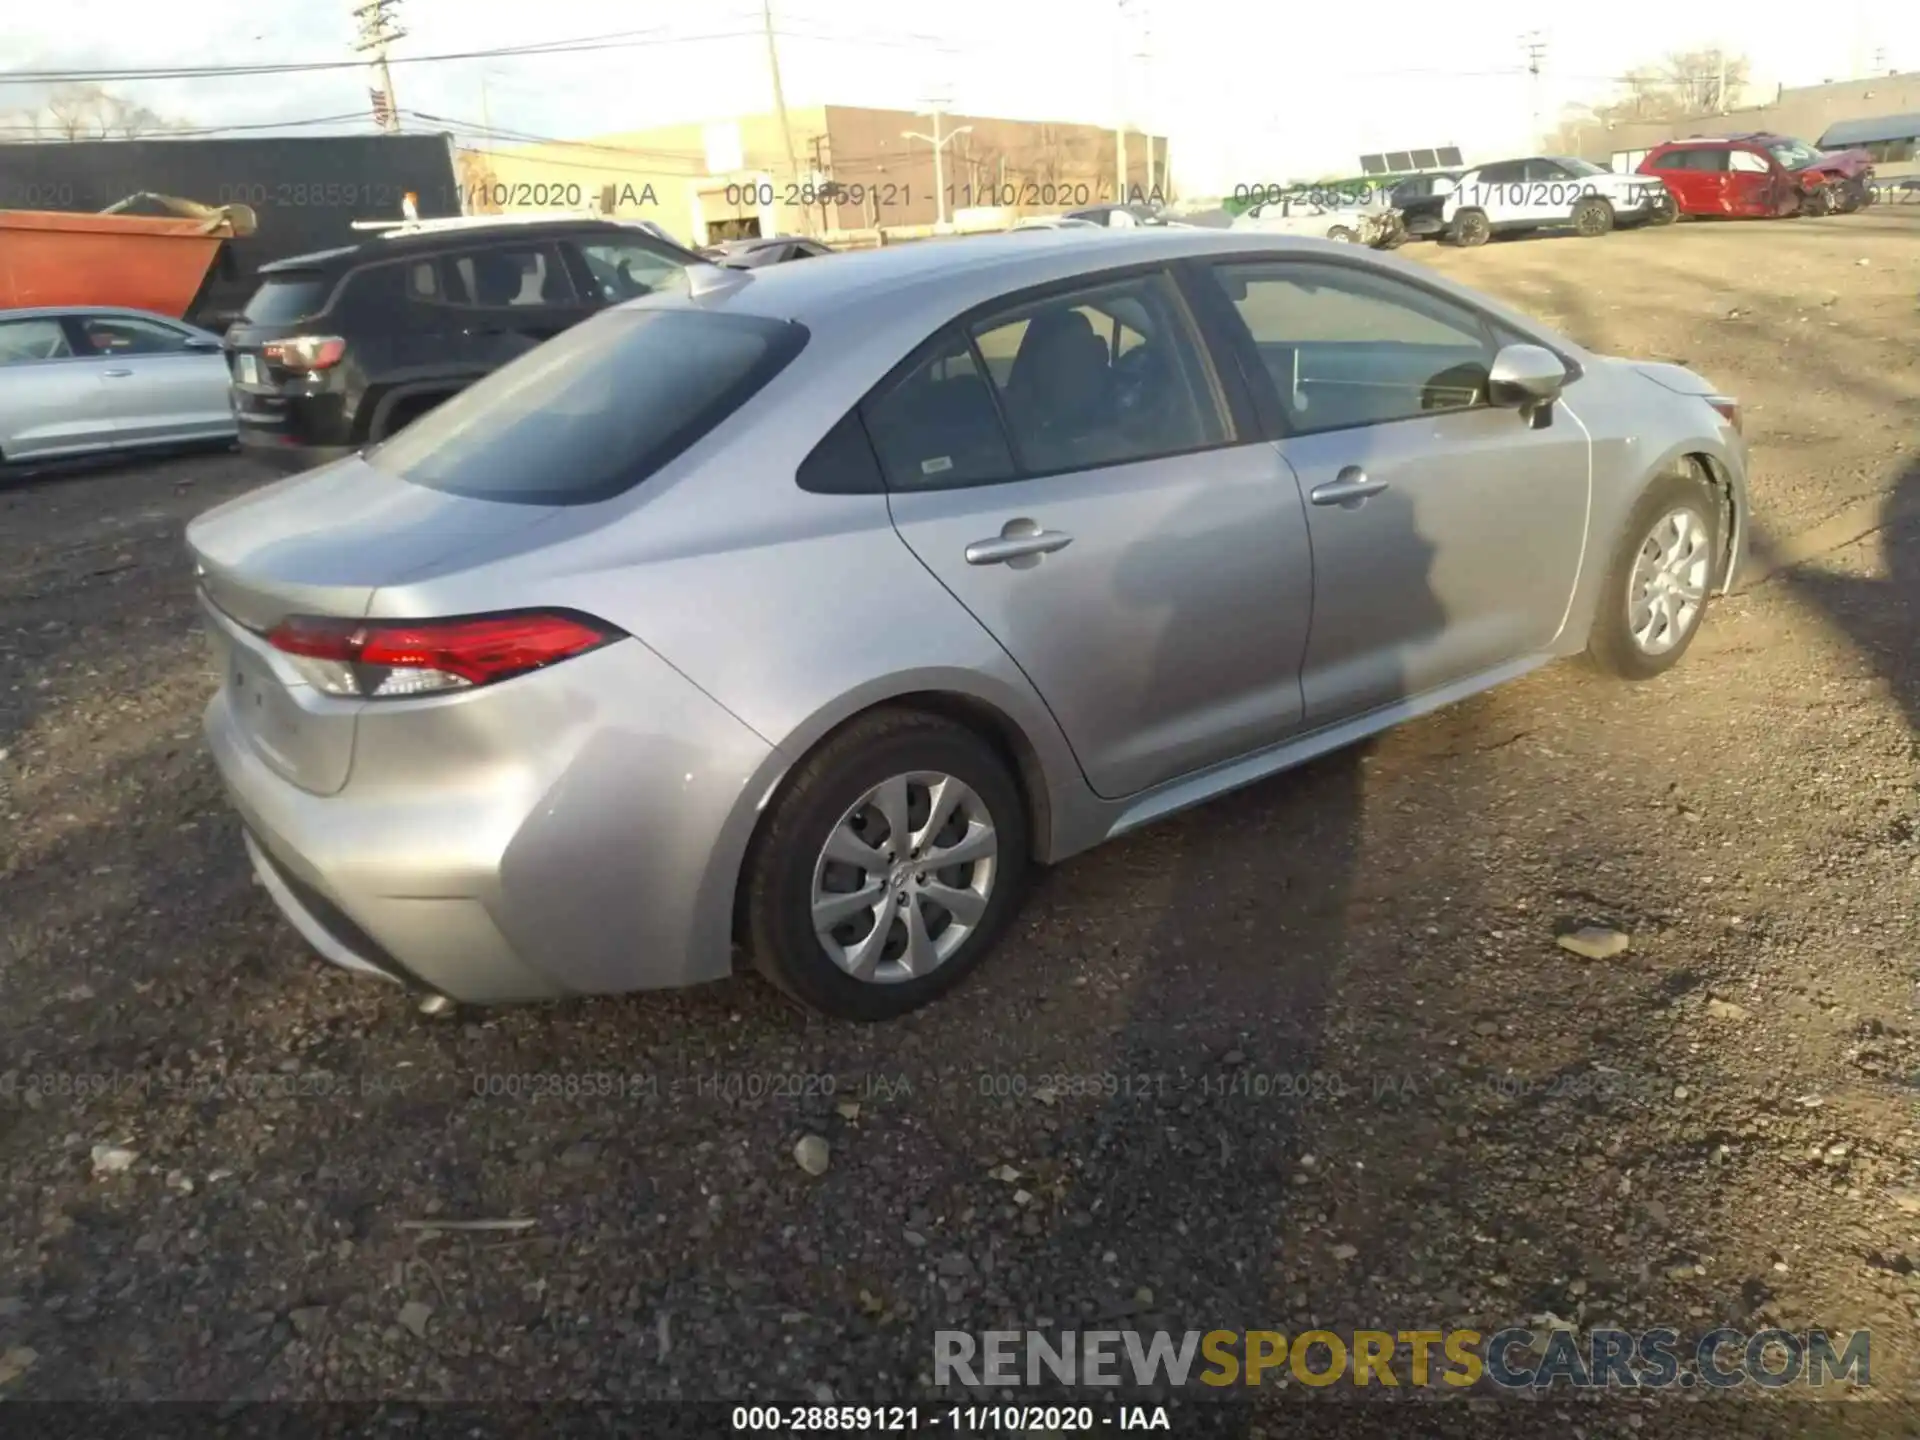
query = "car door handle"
x=1348 y=489
x=116 y=374
x=1002 y=548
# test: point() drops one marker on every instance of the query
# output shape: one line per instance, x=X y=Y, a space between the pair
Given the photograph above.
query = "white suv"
x=1548 y=190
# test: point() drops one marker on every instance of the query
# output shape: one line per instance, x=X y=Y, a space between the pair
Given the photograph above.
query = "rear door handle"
x=116 y=374
x=1017 y=546
x=1349 y=489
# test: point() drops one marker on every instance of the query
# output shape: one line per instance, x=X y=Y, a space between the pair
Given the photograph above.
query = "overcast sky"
x=1246 y=90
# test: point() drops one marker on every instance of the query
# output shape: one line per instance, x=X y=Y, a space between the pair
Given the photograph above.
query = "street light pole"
x=939 y=143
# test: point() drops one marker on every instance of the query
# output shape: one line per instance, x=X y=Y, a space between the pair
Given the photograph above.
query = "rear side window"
x=41 y=338
x=936 y=425
x=285 y=299
x=594 y=411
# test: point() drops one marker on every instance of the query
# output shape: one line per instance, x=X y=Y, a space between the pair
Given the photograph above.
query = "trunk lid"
x=321 y=544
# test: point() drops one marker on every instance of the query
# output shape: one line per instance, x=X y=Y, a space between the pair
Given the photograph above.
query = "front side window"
x=125 y=335
x=1103 y=376
x=1343 y=347
x=595 y=410
x=622 y=270
x=24 y=341
x=1746 y=162
x=1793 y=154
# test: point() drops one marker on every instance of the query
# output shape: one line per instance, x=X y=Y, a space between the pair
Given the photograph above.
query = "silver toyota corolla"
x=802 y=612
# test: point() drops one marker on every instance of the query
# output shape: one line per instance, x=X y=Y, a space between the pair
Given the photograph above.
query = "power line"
x=616 y=41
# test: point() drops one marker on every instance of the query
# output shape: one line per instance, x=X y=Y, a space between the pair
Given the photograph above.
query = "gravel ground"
x=1308 y=1056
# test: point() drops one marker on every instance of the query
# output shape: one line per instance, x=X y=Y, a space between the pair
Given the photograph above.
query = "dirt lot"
x=1717 y=1126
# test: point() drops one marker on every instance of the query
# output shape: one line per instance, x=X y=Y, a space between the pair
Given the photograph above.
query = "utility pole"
x=939 y=143
x=1120 y=102
x=780 y=103
x=378 y=30
x=1535 y=45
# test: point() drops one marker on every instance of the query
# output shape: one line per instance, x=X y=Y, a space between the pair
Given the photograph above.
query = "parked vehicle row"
x=1745 y=176
x=552 y=692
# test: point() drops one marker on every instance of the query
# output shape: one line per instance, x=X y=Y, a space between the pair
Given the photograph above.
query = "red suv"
x=1760 y=175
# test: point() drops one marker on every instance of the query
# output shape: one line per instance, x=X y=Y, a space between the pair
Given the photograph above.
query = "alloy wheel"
x=904 y=877
x=1669 y=582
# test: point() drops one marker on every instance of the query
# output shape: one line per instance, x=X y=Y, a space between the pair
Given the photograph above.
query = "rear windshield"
x=283 y=299
x=594 y=411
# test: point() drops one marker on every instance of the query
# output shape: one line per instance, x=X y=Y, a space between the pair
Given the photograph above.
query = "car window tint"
x=624 y=270
x=125 y=335
x=1077 y=392
x=284 y=299
x=1344 y=347
x=506 y=276
x=1545 y=170
x=1507 y=172
x=594 y=411
x=1744 y=161
x=935 y=425
x=371 y=295
x=22 y=341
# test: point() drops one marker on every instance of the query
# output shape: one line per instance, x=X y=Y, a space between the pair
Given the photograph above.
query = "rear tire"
x=835 y=805
x=1592 y=217
x=1469 y=228
x=1849 y=197
x=1644 y=625
x=1342 y=234
x=405 y=412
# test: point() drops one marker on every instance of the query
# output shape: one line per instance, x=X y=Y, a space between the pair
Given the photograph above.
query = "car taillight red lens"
x=389 y=659
x=306 y=352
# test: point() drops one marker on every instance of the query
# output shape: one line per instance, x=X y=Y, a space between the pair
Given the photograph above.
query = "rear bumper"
x=560 y=834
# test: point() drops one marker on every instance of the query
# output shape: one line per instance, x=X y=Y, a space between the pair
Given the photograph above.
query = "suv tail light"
x=392 y=659
x=1729 y=410
x=306 y=352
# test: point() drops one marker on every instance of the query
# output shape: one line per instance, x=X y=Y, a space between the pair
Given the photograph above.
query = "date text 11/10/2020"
x=383 y=196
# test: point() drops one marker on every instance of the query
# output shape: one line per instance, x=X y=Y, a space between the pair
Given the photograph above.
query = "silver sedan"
x=86 y=381
x=796 y=615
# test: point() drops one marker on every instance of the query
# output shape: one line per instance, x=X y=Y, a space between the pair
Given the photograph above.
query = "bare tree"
x=90 y=112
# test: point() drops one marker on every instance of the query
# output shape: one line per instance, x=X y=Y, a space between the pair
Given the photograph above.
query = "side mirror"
x=1527 y=378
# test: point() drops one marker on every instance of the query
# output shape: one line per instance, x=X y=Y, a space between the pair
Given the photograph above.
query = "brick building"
x=721 y=179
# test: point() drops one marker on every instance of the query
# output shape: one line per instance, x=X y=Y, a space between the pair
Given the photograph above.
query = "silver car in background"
x=85 y=381
x=801 y=612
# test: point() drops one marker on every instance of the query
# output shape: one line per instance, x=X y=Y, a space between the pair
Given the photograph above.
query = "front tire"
x=1660 y=581
x=890 y=865
x=1342 y=234
x=1592 y=217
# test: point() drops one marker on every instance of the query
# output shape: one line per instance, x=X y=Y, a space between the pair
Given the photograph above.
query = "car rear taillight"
x=392 y=659
x=306 y=352
x=1729 y=410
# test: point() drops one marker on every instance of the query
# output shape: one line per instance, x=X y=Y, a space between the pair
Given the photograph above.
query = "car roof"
x=918 y=285
x=404 y=240
x=52 y=312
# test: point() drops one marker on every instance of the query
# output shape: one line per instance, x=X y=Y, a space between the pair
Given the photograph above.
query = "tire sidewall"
x=780 y=895
x=1471 y=227
x=1611 y=642
x=1590 y=205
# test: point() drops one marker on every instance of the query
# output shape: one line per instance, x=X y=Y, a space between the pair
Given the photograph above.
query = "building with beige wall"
x=1806 y=112
x=833 y=169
